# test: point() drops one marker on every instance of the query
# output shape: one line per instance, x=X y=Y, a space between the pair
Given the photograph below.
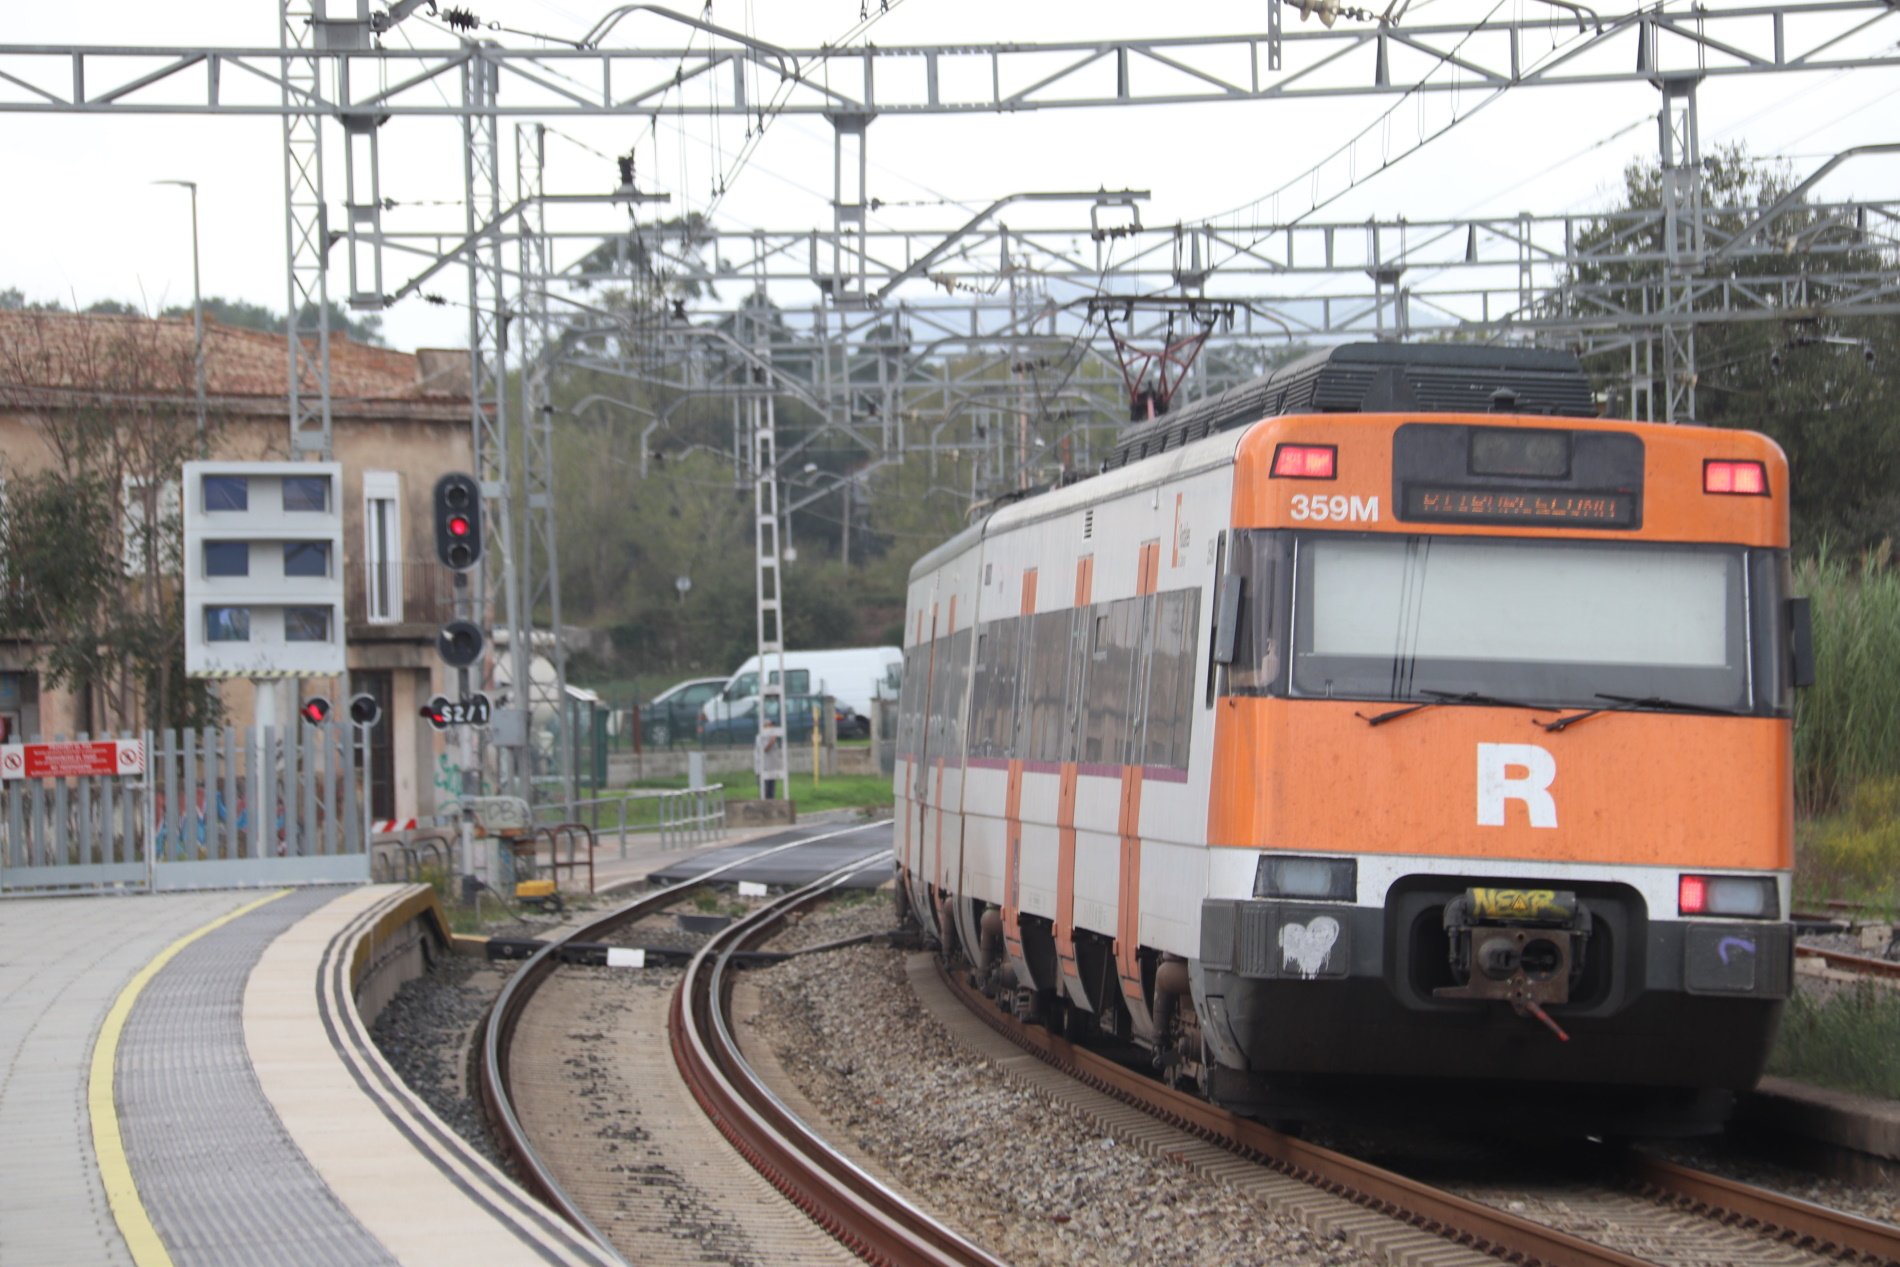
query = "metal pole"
x=197 y=308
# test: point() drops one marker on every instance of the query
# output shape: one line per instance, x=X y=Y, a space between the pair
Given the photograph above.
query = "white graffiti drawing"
x=1308 y=946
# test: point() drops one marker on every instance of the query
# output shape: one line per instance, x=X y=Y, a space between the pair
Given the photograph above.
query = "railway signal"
x=365 y=711
x=315 y=710
x=458 y=521
x=441 y=712
x=459 y=643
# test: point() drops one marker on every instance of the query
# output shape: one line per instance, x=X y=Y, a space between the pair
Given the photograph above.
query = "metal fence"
x=680 y=816
x=215 y=808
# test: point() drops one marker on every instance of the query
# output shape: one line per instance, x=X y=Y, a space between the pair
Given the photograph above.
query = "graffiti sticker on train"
x=1320 y=508
x=1516 y=772
x=1308 y=946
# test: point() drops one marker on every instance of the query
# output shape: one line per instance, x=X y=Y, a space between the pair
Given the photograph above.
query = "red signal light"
x=315 y=710
x=1305 y=461
x=458 y=525
x=1748 y=479
x=1692 y=895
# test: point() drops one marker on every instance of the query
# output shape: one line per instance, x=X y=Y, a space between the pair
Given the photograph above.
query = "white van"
x=853 y=676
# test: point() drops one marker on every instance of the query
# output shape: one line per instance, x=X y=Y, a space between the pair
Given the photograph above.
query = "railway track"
x=876 y=1222
x=1862 y=965
x=872 y=1221
x=494 y=1052
x=1495 y=1231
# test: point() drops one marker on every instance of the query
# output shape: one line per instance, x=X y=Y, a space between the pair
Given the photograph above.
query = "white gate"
x=214 y=809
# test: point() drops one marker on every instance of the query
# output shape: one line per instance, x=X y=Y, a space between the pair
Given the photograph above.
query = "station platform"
x=186 y=1079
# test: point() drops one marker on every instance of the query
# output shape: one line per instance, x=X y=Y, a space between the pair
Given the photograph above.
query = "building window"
x=382 y=545
x=306 y=558
x=306 y=624
x=227 y=558
x=227 y=624
x=307 y=493
x=227 y=492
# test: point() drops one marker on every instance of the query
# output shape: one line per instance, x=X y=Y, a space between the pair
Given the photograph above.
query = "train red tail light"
x=1749 y=479
x=1730 y=896
x=1305 y=462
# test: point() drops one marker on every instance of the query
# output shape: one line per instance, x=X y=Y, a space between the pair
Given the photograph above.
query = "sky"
x=91 y=223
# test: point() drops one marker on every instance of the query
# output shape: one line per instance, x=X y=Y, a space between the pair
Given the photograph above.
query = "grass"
x=1849 y=1040
x=1854 y=854
x=1847 y=725
x=836 y=791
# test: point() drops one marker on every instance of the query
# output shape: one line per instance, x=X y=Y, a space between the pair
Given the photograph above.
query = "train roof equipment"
x=1384 y=378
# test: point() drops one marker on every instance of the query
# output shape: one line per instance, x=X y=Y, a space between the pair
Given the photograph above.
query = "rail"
x=1487 y=1228
x=1862 y=965
x=873 y=1220
x=498 y=1034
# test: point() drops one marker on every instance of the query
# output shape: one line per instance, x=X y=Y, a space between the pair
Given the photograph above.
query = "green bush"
x=1847 y=725
x=1849 y=1040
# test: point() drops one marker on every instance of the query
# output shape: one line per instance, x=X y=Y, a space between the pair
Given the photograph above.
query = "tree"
x=92 y=539
x=1821 y=386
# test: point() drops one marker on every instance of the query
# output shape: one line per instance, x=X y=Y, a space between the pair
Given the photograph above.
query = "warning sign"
x=72 y=760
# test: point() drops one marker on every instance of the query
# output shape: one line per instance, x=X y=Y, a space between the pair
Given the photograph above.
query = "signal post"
x=458 y=546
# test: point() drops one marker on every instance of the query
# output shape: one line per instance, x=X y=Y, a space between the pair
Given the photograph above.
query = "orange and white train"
x=1389 y=724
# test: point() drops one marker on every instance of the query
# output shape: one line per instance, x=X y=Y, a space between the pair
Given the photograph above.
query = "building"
x=115 y=394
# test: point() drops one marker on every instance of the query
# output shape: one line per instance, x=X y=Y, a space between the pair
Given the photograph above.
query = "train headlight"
x=1313 y=879
x=1734 y=896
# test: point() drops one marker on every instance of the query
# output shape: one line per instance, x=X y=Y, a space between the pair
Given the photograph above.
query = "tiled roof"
x=48 y=356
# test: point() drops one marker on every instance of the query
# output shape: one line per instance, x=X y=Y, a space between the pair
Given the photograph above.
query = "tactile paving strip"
x=224 y=1184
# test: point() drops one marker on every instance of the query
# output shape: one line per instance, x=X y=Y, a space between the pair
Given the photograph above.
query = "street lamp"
x=197 y=303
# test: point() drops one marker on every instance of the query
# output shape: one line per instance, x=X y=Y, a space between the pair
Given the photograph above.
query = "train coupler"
x=1524 y=947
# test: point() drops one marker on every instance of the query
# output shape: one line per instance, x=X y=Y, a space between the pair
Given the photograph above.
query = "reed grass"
x=1847 y=725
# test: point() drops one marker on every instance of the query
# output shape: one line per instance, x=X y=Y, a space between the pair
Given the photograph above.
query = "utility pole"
x=197 y=311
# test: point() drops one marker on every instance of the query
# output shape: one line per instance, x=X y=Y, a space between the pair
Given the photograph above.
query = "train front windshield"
x=1546 y=622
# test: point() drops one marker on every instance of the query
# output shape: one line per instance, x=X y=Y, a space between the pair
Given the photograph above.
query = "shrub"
x=1847 y=725
x=1849 y=1039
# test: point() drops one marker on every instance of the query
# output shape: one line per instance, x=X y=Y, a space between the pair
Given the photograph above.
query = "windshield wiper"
x=1443 y=697
x=1628 y=703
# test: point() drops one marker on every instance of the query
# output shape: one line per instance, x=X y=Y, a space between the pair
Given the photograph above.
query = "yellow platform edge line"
x=108 y=1145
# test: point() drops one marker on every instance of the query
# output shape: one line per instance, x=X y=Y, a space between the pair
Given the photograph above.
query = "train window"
x=1544 y=622
x=959 y=683
x=1177 y=619
x=949 y=674
x=910 y=702
x=1045 y=722
x=1108 y=696
x=993 y=696
x=1263 y=561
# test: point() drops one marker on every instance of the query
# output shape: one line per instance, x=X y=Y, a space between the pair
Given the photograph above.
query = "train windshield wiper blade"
x=1630 y=703
x=1476 y=697
x=1442 y=697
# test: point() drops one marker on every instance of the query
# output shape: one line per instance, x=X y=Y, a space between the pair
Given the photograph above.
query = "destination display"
x=1509 y=505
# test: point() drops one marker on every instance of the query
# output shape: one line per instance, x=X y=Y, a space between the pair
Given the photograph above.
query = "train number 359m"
x=1338 y=506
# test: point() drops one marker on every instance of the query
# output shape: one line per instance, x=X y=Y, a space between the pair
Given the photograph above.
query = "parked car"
x=741 y=726
x=856 y=677
x=673 y=714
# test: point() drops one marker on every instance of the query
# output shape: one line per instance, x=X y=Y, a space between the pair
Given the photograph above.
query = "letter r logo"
x=1515 y=771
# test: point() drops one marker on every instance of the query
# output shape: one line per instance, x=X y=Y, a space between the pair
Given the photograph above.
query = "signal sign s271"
x=471 y=710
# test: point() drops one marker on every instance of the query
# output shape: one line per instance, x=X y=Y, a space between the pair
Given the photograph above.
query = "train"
x=1391 y=734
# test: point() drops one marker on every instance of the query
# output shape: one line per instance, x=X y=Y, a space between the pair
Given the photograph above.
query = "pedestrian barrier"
x=185 y=809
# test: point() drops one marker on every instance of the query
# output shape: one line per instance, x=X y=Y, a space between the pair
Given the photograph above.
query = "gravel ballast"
x=1032 y=1180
